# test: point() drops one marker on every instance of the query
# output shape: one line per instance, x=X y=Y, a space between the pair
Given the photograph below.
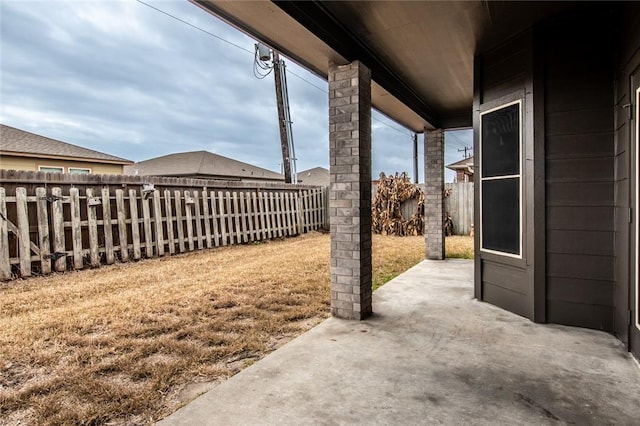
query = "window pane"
x=79 y=171
x=501 y=215
x=50 y=169
x=501 y=142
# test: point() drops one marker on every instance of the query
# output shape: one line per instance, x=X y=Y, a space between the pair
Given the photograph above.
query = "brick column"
x=350 y=189
x=434 y=205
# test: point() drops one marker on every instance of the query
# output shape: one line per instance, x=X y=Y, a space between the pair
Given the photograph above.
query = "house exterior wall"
x=578 y=260
x=11 y=162
x=579 y=146
x=503 y=75
x=627 y=76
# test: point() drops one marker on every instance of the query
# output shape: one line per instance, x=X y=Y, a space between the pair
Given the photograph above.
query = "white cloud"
x=123 y=78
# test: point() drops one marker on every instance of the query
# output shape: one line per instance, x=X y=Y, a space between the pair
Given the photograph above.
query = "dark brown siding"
x=504 y=74
x=580 y=159
x=628 y=64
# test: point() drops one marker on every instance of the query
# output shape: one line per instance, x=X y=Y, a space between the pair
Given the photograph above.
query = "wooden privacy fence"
x=48 y=229
x=459 y=204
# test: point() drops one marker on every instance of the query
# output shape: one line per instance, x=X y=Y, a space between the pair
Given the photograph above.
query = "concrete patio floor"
x=431 y=355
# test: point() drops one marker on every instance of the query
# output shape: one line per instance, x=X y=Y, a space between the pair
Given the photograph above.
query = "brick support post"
x=434 y=205
x=350 y=189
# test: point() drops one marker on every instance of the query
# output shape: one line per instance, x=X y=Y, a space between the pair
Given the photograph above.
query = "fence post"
x=93 y=229
x=24 y=241
x=189 y=214
x=43 y=229
x=207 y=218
x=106 y=226
x=196 y=206
x=169 y=213
x=76 y=227
x=122 y=226
x=59 y=243
x=179 y=221
x=5 y=262
x=256 y=215
x=214 y=218
x=146 y=218
x=157 y=218
x=135 y=224
x=299 y=220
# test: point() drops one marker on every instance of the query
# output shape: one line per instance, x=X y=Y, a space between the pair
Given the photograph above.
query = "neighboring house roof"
x=201 y=164
x=464 y=164
x=26 y=144
x=318 y=176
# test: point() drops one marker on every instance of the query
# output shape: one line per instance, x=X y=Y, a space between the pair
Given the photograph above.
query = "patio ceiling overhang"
x=420 y=53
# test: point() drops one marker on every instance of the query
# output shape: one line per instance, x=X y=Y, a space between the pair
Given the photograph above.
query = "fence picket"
x=169 y=212
x=253 y=217
x=5 y=261
x=122 y=226
x=157 y=220
x=196 y=206
x=236 y=218
x=307 y=208
x=285 y=213
x=146 y=226
x=214 y=218
x=223 y=216
x=207 y=218
x=57 y=219
x=179 y=221
x=135 y=224
x=229 y=217
x=243 y=217
x=272 y=210
x=92 y=223
x=293 y=214
x=188 y=202
x=313 y=195
x=24 y=246
x=76 y=228
x=106 y=225
x=43 y=230
x=266 y=225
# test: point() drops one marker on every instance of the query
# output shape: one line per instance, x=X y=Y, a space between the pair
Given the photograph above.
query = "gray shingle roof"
x=462 y=164
x=201 y=164
x=20 y=142
x=318 y=176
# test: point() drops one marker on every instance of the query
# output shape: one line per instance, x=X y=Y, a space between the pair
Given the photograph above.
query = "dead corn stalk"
x=387 y=218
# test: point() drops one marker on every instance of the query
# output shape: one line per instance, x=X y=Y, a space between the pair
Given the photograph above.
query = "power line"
x=253 y=53
x=194 y=26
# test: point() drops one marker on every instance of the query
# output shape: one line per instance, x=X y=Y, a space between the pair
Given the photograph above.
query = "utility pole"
x=465 y=149
x=284 y=140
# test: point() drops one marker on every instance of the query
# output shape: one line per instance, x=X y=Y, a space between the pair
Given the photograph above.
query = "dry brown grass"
x=118 y=345
x=459 y=246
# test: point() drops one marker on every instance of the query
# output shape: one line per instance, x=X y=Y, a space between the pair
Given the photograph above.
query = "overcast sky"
x=125 y=79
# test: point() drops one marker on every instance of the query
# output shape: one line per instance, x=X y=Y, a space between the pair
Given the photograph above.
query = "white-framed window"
x=79 y=170
x=501 y=180
x=51 y=169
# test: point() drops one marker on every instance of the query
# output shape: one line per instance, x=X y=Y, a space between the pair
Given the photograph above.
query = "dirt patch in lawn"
x=130 y=343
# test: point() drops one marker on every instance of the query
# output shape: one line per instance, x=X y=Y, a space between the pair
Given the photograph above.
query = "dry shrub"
x=117 y=345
